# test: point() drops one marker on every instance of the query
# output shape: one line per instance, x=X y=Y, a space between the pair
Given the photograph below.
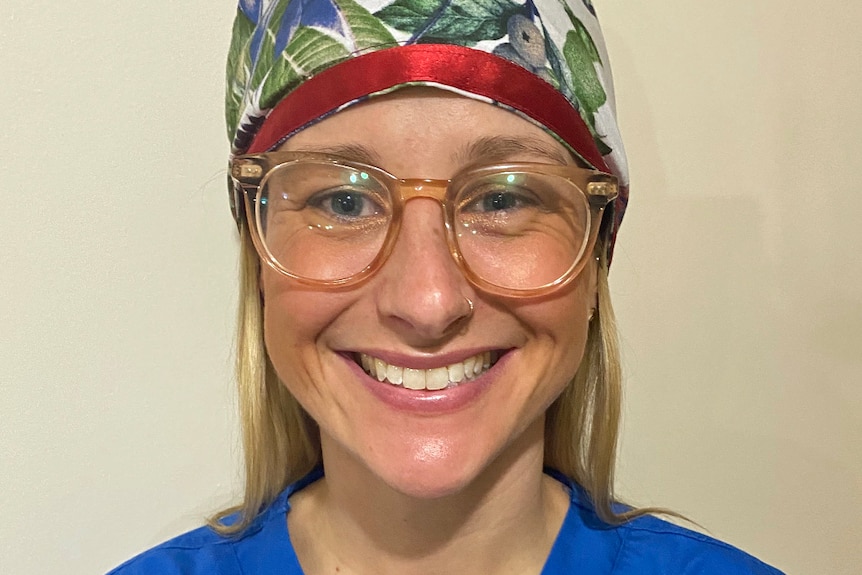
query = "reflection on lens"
x=323 y=221
x=521 y=230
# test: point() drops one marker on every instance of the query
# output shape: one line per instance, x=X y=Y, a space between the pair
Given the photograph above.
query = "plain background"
x=737 y=277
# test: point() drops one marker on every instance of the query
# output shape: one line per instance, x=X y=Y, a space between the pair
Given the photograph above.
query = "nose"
x=421 y=292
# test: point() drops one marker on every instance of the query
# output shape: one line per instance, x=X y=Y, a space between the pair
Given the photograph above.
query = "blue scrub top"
x=585 y=545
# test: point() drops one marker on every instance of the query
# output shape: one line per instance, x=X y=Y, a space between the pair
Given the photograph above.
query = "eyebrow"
x=354 y=152
x=498 y=148
x=487 y=149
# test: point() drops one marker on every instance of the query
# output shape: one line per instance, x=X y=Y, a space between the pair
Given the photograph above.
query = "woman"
x=428 y=195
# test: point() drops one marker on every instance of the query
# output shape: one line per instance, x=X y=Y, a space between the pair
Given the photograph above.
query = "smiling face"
x=411 y=325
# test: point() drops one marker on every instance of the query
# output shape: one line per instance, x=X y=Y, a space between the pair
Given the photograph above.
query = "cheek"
x=570 y=346
x=282 y=338
x=294 y=320
x=562 y=315
x=576 y=329
x=562 y=323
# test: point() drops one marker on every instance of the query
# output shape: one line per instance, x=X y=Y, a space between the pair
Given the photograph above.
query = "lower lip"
x=428 y=402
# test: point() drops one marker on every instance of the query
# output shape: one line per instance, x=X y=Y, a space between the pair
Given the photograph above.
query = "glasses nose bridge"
x=412 y=188
x=438 y=190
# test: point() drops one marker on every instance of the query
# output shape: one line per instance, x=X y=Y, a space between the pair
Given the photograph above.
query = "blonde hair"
x=281 y=442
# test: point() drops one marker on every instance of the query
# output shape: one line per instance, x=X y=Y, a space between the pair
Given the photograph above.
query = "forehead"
x=428 y=126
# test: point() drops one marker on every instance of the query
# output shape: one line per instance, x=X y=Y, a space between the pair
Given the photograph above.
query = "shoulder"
x=646 y=545
x=263 y=548
x=650 y=545
x=198 y=552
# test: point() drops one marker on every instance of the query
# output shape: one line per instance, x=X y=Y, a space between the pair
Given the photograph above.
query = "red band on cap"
x=458 y=67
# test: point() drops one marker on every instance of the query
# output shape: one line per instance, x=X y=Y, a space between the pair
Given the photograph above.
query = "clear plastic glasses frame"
x=249 y=175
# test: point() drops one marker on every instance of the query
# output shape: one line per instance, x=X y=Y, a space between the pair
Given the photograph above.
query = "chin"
x=432 y=467
x=429 y=481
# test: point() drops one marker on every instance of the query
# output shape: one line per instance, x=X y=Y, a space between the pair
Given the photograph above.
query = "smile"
x=431 y=379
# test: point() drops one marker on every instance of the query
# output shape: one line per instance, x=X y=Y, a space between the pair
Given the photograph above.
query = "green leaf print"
x=308 y=51
x=462 y=22
x=267 y=48
x=587 y=86
x=581 y=56
x=367 y=31
x=238 y=70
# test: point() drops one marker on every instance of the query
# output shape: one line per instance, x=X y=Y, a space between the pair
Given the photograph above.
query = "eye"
x=346 y=204
x=500 y=200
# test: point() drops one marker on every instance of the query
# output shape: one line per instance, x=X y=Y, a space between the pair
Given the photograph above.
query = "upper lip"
x=427 y=361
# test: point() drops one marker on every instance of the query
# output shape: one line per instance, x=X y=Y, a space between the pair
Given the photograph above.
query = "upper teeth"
x=431 y=379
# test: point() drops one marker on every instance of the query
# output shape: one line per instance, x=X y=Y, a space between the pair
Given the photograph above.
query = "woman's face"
x=414 y=313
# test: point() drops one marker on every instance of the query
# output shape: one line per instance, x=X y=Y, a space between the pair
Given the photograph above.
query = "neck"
x=354 y=523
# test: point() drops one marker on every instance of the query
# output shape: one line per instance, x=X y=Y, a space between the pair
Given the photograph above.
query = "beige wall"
x=737 y=278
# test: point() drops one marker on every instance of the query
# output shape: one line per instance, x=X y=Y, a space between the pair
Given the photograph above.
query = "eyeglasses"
x=516 y=229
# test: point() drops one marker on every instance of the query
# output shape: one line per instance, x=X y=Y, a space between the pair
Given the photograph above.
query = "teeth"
x=456 y=372
x=380 y=367
x=431 y=379
x=414 y=378
x=394 y=374
x=469 y=364
x=436 y=379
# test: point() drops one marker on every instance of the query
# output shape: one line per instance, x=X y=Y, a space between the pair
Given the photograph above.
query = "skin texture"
x=409 y=492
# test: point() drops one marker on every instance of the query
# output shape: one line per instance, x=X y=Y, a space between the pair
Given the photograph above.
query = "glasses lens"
x=321 y=220
x=521 y=230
